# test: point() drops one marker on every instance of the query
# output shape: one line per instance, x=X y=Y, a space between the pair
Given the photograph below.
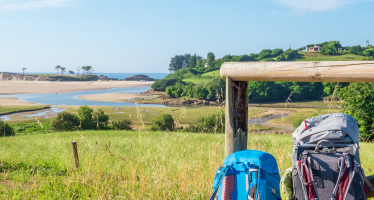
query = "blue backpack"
x=247 y=175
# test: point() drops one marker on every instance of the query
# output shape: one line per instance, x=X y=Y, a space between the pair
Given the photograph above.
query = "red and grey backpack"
x=326 y=159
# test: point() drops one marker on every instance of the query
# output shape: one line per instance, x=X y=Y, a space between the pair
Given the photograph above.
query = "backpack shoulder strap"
x=220 y=174
x=347 y=172
x=304 y=170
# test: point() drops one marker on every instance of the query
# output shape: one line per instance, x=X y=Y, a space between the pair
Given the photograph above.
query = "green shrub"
x=213 y=123
x=65 y=121
x=124 y=124
x=31 y=128
x=85 y=117
x=211 y=91
x=297 y=122
x=163 y=122
x=100 y=119
x=162 y=84
x=6 y=129
x=358 y=101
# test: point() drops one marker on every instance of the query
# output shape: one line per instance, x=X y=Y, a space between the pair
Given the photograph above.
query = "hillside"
x=204 y=83
x=303 y=56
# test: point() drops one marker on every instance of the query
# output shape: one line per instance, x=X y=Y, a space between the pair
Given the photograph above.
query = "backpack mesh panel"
x=228 y=186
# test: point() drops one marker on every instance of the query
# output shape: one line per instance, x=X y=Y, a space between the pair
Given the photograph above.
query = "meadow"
x=315 y=56
x=126 y=164
x=139 y=164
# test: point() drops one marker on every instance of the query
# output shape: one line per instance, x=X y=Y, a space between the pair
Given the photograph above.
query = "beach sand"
x=114 y=97
x=13 y=101
x=37 y=87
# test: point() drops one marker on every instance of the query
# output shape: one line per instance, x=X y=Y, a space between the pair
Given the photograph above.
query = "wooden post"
x=236 y=123
x=237 y=75
x=75 y=150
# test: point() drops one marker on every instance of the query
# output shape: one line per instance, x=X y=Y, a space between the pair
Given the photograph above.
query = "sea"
x=112 y=75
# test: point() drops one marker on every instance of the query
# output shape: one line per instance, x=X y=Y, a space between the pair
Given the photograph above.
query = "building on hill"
x=315 y=48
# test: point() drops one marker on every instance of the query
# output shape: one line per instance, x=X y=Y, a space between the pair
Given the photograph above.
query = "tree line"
x=88 y=70
x=200 y=64
x=332 y=48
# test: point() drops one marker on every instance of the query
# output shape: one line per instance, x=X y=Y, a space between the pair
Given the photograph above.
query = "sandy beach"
x=37 y=87
x=13 y=101
x=114 y=97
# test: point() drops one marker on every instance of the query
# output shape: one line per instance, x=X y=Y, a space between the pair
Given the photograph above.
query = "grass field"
x=212 y=73
x=301 y=113
x=198 y=80
x=183 y=115
x=318 y=57
x=126 y=165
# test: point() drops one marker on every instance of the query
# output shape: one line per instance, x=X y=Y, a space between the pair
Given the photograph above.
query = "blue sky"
x=131 y=36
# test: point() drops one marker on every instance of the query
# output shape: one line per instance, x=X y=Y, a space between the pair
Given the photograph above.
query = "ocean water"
x=72 y=98
x=110 y=75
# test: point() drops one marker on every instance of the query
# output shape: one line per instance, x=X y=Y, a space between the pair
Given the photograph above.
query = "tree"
x=358 y=101
x=210 y=58
x=23 y=69
x=78 y=70
x=71 y=72
x=63 y=69
x=369 y=52
x=200 y=63
x=85 y=117
x=331 y=48
x=58 y=67
x=357 y=50
x=192 y=63
x=212 y=123
x=290 y=53
x=179 y=62
x=6 y=129
x=163 y=122
x=88 y=69
x=122 y=124
x=266 y=53
x=65 y=121
x=84 y=69
x=162 y=84
x=276 y=52
x=100 y=118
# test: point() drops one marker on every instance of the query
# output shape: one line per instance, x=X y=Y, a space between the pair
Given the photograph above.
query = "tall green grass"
x=126 y=164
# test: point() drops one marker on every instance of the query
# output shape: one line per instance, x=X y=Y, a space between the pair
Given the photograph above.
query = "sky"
x=141 y=36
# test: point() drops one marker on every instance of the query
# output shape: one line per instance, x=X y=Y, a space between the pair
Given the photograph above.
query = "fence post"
x=236 y=123
x=75 y=150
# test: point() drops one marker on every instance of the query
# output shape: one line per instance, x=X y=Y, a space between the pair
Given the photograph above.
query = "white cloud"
x=32 y=4
x=316 y=5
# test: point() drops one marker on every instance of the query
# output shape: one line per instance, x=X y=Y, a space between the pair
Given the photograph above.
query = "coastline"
x=38 y=87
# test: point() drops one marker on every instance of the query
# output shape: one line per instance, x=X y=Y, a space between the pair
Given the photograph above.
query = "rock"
x=105 y=78
x=140 y=77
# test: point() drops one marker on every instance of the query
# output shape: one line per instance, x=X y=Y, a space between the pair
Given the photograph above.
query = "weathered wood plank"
x=236 y=124
x=324 y=71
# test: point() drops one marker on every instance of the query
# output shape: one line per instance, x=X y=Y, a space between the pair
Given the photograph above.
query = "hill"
x=202 y=82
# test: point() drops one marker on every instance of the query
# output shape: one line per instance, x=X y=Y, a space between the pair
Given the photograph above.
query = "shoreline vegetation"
x=9 y=76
